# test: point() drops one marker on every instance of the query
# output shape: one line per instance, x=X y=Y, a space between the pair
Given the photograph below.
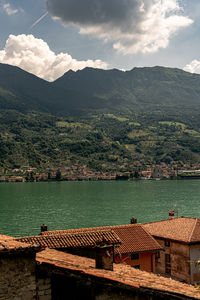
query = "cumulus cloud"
x=9 y=10
x=132 y=25
x=193 y=67
x=35 y=56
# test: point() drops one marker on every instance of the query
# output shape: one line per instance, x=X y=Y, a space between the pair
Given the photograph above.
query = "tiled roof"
x=73 y=240
x=134 y=237
x=10 y=245
x=122 y=274
x=181 y=229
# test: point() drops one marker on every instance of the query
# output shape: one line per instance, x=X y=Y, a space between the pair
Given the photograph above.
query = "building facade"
x=180 y=237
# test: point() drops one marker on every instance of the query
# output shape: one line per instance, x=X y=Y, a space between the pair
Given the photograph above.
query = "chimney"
x=171 y=214
x=104 y=256
x=43 y=228
x=133 y=221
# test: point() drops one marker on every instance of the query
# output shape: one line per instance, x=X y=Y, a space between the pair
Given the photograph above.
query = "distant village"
x=79 y=172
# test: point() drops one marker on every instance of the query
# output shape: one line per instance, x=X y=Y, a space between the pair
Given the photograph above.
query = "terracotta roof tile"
x=121 y=274
x=134 y=237
x=180 y=229
x=10 y=245
x=73 y=240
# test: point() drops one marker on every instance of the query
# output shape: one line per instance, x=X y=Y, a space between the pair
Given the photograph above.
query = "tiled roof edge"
x=159 y=221
x=150 y=235
x=68 y=234
x=193 y=230
x=99 y=228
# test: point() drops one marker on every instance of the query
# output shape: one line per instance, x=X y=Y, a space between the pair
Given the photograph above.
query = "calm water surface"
x=61 y=205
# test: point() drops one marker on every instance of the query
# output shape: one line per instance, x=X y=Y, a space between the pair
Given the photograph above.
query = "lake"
x=24 y=207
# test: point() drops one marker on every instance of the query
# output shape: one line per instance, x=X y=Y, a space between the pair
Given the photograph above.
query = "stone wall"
x=75 y=287
x=179 y=261
x=17 y=278
x=43 y=288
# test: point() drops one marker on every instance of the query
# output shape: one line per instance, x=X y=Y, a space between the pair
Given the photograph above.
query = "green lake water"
x=61 y=205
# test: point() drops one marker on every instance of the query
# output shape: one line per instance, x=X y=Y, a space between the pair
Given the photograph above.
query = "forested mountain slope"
x=103 y=118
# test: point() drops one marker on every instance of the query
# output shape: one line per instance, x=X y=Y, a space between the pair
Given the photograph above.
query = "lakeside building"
x=28 y=272
x=80 y=243
x=180 y=237
x=17 y=269
x=137 y=249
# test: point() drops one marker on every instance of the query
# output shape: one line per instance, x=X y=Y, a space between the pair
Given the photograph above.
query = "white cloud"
x=193 y=67
x=35 y=56
x=9 y=10
x=132 y=25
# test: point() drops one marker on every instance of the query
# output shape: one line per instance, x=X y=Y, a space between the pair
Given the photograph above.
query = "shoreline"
x=95 y=180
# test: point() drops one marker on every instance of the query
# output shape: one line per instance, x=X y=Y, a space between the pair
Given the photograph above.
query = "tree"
x=49 y=175
x=32 y=176
x=58 y=175
x=137 y=174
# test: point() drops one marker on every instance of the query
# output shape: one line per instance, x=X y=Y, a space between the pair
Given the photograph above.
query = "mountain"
x=89 y=90
x=99 y=117
x=141 y=89
x=140 y=86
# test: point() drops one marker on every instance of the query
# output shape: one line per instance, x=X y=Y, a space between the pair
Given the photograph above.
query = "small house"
x=180 y=237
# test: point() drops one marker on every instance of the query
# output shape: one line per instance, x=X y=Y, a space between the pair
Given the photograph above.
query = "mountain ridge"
x=99 y=117
x=146 y=85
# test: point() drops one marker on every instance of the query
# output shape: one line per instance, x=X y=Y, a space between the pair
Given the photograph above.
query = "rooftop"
x=181 y=229
x=74 y=239
x=9 y=245
x=121 y=274
x=134 y=237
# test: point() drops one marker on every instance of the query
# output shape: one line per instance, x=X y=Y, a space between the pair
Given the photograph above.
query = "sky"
x=50 y=37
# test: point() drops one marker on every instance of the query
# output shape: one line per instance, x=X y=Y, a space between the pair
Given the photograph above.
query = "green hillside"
x=104 y=119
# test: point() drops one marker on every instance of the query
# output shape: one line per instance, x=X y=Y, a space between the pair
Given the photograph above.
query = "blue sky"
x=99 y=33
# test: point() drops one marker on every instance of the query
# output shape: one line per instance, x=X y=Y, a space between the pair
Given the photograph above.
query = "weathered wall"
x=75 y=287
x=17 y=278
x=194 y=255
x=44 y=288
x=146 y=261
x=180 y=260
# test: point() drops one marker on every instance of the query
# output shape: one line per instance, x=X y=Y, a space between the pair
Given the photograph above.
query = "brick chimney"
x=104 y=256
x=133 y=221
x=171 y=214
x=43 y=228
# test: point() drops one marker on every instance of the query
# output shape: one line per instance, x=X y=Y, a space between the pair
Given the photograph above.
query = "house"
x=17 y=269
x=146 y=174
x=85 y=244
x=157 y=173
x=27 y=272
x=16 y=179
x=137 y=249
x=180 y=237
x=3 y=179
x=78 y=277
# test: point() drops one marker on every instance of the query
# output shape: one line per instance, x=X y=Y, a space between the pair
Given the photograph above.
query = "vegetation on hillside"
x=103 y=119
